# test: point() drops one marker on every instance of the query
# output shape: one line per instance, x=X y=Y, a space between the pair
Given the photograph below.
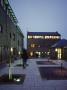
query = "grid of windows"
x=6 y=6
x=44 y=37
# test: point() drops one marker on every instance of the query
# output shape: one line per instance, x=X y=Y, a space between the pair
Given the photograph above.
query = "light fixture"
x=19 y=52
x=11 y=49
x=56 y=49
x=17 y=79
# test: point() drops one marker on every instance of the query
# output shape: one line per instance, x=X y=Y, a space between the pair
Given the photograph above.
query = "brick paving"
x=33 y=79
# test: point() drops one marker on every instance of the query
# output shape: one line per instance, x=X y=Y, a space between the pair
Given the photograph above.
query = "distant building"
x=39 y=43
x=59 y=50
x=11 y=37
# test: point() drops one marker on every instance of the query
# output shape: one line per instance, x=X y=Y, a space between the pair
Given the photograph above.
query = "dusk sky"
x=41 y=15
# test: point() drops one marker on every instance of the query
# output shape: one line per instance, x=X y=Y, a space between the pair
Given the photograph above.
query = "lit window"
x=31 y=53
x=57 y=37
x=38 y=53
x=47 y=37
x=32 y=45
x=41 y=37
x=54 y=37
x=29 y=37
x=48 y=53
x=36 y=37
x=50 y=37
x=59 y=53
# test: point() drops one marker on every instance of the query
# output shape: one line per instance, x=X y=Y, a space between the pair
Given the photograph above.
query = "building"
x=59 y=50
x=11 y=37
x=39 y=43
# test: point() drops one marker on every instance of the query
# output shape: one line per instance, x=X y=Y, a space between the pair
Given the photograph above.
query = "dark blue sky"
x=41 y=15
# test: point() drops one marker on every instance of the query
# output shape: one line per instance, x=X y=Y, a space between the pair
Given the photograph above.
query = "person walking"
x=25 y=57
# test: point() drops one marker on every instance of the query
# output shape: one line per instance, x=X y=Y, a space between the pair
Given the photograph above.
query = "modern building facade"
x=39 y=43
x=59 y=50
x=11 y=37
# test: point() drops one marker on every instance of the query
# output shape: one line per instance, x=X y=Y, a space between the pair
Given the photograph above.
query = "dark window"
x=1 y=2
x=18 y=42
x=10 y=35
x=14 y=36
x=1 y=29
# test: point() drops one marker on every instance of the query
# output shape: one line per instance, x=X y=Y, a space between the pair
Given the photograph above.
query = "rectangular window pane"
x=1 y=30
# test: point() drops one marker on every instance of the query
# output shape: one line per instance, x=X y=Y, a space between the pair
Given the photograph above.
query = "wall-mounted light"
x=56 y=49
x=19 y=52
x=11 y=49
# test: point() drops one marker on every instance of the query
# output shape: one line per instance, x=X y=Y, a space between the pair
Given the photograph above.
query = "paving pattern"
x=33 y=80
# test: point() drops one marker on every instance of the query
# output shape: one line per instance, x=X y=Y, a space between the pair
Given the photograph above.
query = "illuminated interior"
x=31 y=53
x=32 y=45
x=52 y=37
x=36 y=37
x=39 y=53
x=58 y=50
x=29 y=37
x=44 y=37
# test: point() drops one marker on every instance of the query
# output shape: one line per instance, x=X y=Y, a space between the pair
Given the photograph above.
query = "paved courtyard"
x=33 y=80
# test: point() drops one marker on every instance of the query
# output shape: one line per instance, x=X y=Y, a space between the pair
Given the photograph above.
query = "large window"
x=14 y=36
x=29 y=37
x=38 y=37
x=32 y=45
x=10 y=35
x=1 y=29
x=52 y=37
x=59 y=53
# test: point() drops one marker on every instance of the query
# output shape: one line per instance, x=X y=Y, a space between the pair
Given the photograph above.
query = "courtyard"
x=33 y=78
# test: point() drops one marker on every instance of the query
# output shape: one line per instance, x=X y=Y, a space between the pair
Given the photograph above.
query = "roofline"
x=43 y=33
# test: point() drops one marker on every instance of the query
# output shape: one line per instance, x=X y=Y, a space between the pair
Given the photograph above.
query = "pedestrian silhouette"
x=24 y=57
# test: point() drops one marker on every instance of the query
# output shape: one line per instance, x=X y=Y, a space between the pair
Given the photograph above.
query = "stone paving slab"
x=33 y=80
